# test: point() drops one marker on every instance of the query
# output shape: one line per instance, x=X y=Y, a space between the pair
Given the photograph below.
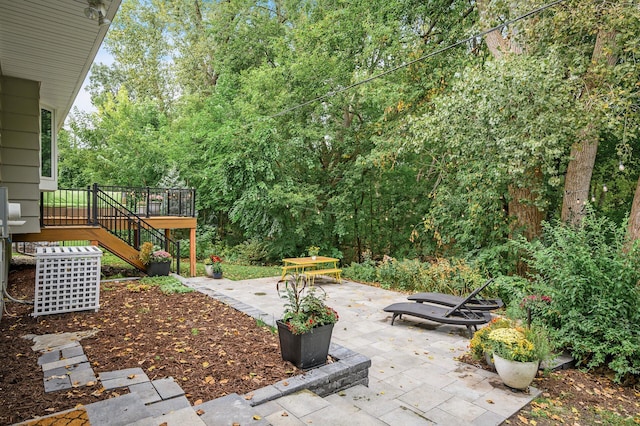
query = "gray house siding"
x=20 y=147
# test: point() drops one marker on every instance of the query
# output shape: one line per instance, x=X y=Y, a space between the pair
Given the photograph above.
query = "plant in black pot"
x=307 y=323
x=157 y=261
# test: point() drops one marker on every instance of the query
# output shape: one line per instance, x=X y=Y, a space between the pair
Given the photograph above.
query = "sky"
x=83 y=100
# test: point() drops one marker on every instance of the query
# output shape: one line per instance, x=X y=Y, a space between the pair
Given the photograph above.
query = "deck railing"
x=121 y=211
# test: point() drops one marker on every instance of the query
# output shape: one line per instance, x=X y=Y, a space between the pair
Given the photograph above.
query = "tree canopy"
x=358 y=127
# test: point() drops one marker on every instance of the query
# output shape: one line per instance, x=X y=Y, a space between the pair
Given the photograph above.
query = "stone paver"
x=123 y=410
x=413 y=378
x=123 y=378
x=167 y=388
x=229 y=410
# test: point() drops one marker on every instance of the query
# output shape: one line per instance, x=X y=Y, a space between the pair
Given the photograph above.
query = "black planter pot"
x=305 y=350
x=155 y=269
x=217 y=275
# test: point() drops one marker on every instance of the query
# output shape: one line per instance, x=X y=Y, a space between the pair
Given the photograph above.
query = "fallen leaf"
x=284 y=414
x=285 y=383
x=200 y=412
x=198 y=402
x=248 y=396
x=523 y=420
x=205 y=364
x=131 y=376
x=224 y=381
x=257 y=417
x=490 y=401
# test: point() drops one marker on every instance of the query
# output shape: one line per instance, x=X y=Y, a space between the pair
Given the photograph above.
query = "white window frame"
x=49 y=183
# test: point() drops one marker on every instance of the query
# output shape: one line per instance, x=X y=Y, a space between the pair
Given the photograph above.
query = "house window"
x=48 y=152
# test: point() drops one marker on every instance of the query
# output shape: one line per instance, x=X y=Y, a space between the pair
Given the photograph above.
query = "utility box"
x=67 y=279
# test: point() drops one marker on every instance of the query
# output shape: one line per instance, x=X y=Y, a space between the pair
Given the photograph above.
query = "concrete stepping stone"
x=64 y=363
x=228 y=410
x=168 y=405
x=167 y=388
x=123 y=410
x=147 y=392
x=123 y=378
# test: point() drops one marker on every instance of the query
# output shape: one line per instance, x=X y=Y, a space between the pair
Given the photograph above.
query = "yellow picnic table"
x=312 y=266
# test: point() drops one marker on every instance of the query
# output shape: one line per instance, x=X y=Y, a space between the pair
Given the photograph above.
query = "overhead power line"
x=420 y=59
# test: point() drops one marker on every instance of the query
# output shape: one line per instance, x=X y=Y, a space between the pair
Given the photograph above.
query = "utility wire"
x=420 y=59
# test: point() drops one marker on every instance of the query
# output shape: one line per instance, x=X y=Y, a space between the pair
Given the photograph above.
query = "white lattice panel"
x=67 y=279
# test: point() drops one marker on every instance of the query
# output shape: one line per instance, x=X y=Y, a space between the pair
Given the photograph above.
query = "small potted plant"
x=313 y=251
x=158 y=261
x=307 y=322
x=213 y=266
x=517 y=353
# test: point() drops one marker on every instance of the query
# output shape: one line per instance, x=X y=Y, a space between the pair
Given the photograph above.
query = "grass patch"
x=234 y=271
x=168 y=285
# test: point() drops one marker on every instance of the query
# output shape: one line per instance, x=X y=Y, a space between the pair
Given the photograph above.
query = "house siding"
x=20 y=147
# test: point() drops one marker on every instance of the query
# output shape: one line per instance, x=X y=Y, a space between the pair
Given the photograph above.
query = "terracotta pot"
x=515 y=374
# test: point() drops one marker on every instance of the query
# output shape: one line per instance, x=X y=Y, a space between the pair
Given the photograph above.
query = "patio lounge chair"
x=473 y=302
x=456 y=316
x=460 y=314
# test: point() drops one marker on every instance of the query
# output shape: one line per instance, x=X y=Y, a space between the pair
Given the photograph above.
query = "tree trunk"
x=634 y=218
x=583 y=153
x=528 y=218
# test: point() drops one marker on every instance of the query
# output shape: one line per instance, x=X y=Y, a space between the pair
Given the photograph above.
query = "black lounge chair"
x=457 y=315
x=472 y=301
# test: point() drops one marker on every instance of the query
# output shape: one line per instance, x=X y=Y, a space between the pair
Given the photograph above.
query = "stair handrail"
x=121 y=214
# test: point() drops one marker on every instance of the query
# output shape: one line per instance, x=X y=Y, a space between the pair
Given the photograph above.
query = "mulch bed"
x=210 y=349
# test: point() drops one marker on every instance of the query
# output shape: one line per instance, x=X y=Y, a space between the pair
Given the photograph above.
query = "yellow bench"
x=313 y=272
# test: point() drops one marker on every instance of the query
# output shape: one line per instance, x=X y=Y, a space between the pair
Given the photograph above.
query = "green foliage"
x=591 y=273
x=304 y=307
x=167 y=285
x=417 y=163
x=364 y=272
x=445 y=276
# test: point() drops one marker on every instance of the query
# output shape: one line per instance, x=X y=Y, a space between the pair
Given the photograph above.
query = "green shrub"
x=365 y=272
x=168 y=285
x=452 y=277
x=591 y=273
x=251 y=252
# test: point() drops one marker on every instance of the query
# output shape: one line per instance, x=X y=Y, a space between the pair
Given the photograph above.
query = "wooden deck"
x=80 y=230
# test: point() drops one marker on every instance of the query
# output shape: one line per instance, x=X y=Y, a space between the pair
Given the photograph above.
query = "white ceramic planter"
x=515 y=374
x=208 y=269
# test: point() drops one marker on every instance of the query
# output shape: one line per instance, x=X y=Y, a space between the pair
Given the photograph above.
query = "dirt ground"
x=213 y=350
x=209 y=348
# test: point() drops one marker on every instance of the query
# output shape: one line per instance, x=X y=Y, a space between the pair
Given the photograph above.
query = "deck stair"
x=118 y=219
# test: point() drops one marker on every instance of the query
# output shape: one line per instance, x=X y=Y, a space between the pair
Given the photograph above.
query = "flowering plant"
x=535 y=306
x=153 y=254
x=313 y=250
x=524 y=344
x=480 y=343
x=215 y=261
x=305 y=305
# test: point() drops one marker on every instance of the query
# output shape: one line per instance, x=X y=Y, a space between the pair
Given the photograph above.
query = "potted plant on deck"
x=213 y=266
x=157 y=261
x=307 y=323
